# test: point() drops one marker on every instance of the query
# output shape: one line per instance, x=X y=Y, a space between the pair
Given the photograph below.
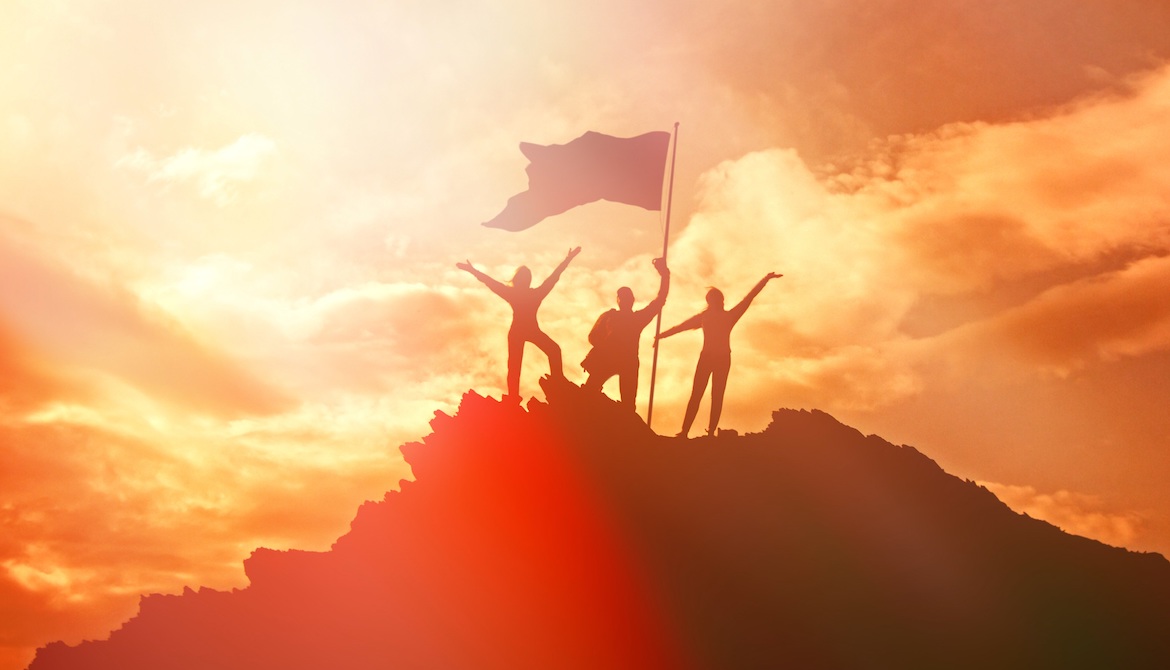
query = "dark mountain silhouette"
x=571 y=536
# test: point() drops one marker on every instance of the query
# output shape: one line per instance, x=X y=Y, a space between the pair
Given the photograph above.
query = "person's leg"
x=553 y=351
x=596 y=380
x=515 y=359
x=628 y=385
x=702 y=373
x=718 y=386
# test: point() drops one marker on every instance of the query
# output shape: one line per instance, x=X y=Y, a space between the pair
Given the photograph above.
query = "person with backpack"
x=615 y=338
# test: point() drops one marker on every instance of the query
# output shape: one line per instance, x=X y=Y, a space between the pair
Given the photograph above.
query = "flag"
x=590 y=168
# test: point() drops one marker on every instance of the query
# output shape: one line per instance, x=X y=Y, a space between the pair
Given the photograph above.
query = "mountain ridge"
x=569 y=534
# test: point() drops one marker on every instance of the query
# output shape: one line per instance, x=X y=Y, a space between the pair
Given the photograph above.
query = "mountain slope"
x=571 y=536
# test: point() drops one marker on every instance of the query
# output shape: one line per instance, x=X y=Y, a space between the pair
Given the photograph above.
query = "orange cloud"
x=1074 y=513
x=831 y=78
x=29 y=616
x=91 y=519
x=1080 y=323
x=1039 y=209
x=24 y=380
x=81 y=325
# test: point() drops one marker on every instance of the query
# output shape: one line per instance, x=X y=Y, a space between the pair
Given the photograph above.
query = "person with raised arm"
x=615 y=338
x=525 y=301
x=715 y=357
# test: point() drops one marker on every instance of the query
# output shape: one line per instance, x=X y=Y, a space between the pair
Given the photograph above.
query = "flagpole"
x=665 y=242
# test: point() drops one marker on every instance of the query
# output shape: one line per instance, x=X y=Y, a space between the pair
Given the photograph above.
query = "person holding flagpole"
x=715 y=357
x=525 y=301
x=615 y=338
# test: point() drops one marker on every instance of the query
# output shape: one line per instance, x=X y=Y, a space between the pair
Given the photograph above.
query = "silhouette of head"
x=625 y=298
x=523 y=277
x=715 y=299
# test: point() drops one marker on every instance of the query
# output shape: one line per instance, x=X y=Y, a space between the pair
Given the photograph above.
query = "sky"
x=229 y=230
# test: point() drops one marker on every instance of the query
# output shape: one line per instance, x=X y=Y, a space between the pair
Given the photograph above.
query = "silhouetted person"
x=525 y=300
x=615 y=338
x=715 y=358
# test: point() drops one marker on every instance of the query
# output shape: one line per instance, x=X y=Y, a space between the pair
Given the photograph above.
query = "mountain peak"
x=568 y=534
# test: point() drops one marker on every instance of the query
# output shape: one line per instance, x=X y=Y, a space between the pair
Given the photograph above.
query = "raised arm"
x=548 y=284
x=655 y=305
x=692 y=323
x=496 y=287
x=740 y=308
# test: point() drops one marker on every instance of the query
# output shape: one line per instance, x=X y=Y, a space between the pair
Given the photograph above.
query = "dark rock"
x=569 y=535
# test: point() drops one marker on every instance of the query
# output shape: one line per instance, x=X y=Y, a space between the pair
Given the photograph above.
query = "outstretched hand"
x=660 y=265
x=773 y=275
x=573 y=252
x=465 y=265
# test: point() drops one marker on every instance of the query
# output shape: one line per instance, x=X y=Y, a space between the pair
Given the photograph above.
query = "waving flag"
x=590 y=168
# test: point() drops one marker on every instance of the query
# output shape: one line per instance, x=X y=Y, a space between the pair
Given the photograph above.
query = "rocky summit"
x=567 y=534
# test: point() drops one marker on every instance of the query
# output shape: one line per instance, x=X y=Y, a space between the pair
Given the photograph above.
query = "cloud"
x=216 y=173
x=982 y=204
x=840 y=294
x=79 y=325
x=25 y=380
x=1042 y=209
x=58 y=577
x=1088 y=321
x=176 y=504
x=903 y=66
x=29 y=616
x=358 y=336
x=1075 y=513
